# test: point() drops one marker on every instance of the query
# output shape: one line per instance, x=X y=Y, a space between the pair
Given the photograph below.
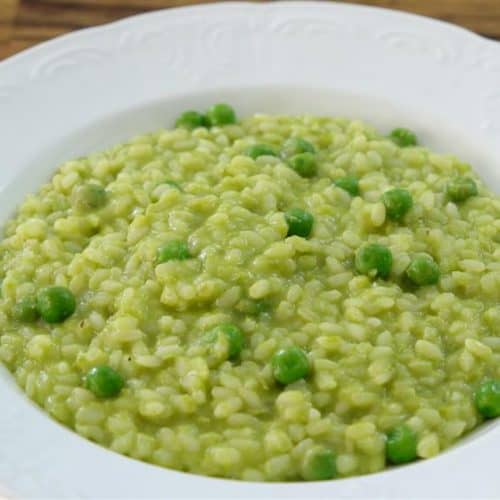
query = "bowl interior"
x=433 y=131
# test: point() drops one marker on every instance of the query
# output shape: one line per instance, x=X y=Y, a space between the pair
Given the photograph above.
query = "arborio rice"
x=201 y=322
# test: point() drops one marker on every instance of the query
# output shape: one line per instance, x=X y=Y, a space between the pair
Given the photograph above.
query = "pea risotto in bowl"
x=273 y=299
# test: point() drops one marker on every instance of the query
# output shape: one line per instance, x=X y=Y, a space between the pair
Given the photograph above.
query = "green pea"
x=304 y=164
x=319 y=464
x=461 y=188
x=256 y=150
x=104 y=382
x=423 y=270
x=300 y=222
x=401 y=445
x=26 y=310
x=404 y=137
x=89 y=197
x=173 y=250
x=234 y=337
x=374 y=260
x=190 y=120
x=55 y=304
x=397 y=203
x=290 y=365
x=349 y=184
x=221 y=114
x=487 y=399
x=295 y=146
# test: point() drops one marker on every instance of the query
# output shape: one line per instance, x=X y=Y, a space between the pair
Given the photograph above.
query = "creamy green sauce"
x=378 y=352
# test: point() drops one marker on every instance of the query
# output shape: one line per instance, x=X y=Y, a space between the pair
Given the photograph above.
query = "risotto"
x=272 y=299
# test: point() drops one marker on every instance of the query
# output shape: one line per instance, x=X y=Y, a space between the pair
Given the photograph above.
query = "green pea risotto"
x=273 y=299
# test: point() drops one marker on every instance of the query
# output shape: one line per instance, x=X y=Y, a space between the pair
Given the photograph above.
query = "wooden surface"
x=24 y=23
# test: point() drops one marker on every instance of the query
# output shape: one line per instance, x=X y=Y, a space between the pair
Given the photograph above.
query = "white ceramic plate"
x=93 y=88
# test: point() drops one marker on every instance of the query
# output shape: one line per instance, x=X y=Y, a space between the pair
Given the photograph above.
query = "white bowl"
x=91 y=89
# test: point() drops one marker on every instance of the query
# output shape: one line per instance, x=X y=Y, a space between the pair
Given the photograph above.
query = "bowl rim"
x=448 y=25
